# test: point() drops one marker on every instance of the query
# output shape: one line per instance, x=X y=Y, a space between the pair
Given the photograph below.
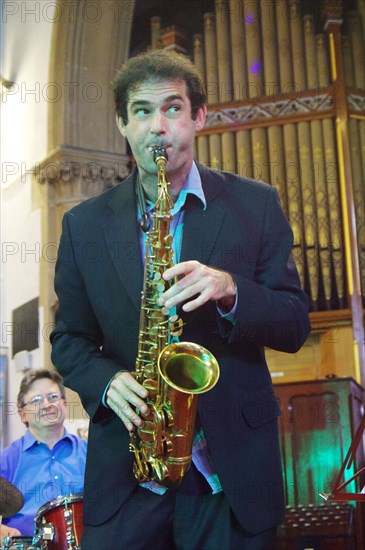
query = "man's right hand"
x=6 y=531
x=123 y=396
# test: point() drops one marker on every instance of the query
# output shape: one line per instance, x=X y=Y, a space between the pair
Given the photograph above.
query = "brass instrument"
x=174 y=373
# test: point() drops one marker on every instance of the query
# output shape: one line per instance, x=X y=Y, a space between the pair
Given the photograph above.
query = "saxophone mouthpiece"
x=159 y=151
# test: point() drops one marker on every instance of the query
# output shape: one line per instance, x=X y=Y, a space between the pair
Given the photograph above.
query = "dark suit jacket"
x=98 y=280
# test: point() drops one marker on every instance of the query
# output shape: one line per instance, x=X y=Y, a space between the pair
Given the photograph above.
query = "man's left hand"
x=199 y=281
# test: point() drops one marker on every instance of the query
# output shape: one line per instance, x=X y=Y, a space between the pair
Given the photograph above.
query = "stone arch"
x=89 y=44
x=86 y=153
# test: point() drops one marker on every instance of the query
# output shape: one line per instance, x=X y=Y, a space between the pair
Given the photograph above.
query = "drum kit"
x=57 y=525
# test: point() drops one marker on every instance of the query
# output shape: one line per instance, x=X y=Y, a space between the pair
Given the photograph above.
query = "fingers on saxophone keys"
x=125 y=407
x=133 y=399
x=127 y=415
x=131 y=419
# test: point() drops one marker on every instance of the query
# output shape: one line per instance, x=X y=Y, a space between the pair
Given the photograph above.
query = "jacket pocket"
x=261 y=410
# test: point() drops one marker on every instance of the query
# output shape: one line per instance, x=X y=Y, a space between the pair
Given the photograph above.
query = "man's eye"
x=36 y=400
x=174 y=109
x=142 y=111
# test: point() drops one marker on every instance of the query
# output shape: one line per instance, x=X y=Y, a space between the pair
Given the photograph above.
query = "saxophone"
x=174 y=373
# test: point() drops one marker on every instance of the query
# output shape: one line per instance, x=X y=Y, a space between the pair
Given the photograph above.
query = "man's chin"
x=53 y=418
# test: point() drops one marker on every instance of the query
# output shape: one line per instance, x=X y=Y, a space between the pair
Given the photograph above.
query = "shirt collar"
x=29 y=439
x=192 y=186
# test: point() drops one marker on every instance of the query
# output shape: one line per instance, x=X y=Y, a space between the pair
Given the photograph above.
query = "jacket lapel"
x=122 y=237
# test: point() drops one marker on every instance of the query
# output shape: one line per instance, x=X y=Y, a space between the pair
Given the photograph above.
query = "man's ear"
x=21 y=414
x=200 y=118
x=120 y=125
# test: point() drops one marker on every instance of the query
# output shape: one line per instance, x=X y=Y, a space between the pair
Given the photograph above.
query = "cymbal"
x=11 y=500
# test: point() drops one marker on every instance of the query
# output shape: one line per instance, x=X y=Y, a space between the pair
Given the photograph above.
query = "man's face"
x=43 y=414
x=159 y=113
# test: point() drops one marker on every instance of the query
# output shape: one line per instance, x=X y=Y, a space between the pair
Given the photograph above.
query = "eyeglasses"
x=39 y=399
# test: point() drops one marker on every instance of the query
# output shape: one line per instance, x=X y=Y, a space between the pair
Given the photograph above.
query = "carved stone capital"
x=78 y=174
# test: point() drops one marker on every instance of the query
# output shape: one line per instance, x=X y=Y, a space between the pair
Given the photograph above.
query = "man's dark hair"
x=37 y=374
x=153 y=67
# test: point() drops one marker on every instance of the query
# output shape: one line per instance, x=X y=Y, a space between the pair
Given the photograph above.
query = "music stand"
x=336 y=494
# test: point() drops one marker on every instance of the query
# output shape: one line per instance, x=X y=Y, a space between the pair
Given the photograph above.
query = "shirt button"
x=56 y=477
x=53 y=457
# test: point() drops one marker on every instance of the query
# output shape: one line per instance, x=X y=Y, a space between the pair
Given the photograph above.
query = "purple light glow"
x=249 y=18
x=255 y=66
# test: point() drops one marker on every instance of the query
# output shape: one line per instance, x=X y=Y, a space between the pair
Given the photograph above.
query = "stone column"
x=86 y=153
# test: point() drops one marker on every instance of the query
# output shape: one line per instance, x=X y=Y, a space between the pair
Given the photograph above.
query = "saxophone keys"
x=176 y=326
x=150 y=384
x=167 y=446
x=160 y=287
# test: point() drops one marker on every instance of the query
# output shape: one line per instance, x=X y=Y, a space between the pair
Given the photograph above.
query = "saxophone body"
x=174 y=373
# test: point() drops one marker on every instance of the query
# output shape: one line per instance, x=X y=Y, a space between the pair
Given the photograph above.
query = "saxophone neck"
x=164 y=200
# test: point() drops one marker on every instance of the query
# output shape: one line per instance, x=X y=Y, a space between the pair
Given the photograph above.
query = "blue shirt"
x=42 y=474
x=192 y=186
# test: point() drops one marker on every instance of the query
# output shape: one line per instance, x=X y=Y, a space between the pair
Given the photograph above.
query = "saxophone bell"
x=188 y=367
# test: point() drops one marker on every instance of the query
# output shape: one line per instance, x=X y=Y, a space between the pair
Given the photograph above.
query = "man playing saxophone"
x=233 y=284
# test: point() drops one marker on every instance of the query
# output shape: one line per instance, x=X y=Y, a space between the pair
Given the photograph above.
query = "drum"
x=58 y=523
x=18 y=543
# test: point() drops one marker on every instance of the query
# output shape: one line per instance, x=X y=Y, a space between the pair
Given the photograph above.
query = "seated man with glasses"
x=47 y=461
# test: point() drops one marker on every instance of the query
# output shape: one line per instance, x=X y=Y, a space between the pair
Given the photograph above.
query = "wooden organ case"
x=286 y=105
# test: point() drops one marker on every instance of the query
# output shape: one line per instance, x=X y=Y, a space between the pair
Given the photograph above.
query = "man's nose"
x=46 y=401
x=158 y=123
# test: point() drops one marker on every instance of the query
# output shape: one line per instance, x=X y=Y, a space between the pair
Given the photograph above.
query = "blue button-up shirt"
x=42 y=474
